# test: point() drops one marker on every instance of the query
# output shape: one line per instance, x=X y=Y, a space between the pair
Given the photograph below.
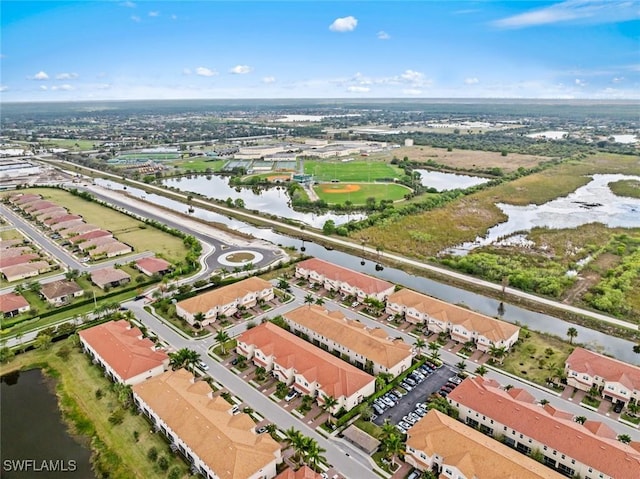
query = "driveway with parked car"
x=395 y=409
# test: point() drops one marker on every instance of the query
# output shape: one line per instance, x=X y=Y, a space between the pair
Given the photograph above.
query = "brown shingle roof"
x=373 y=344
x=66 y=224
x=153 y=265
x=227 y=443
x=61 y=218
x=25 y=198
x=90 y=235
x=20 y=259
x=364 y=282
x=108 y=275
x=594 y=364
x=59 y=288
x=20 y=269
x=114 y=247
x=492 y=329
x=221 y=296
x=473 y=453
x=336 y=377
x=38 y=205
x=123 y=348
x=17 y=251
x=11 y=302
x=591 y=444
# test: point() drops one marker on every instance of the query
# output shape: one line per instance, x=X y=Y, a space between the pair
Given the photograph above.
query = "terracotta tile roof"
x=473 y=453
x=17 y=251
x=305 y=472
x=19 y=269
x=227 y=443
x=123 y=348
x=78 y=229
x=364 y=282
x=221 y=296
x=99 y=241
x=38 y=205
x=493 y=329
x=373 y=344
x=5 y=244
x=20 y=259
x=584 y=361
x=52 y=212
x=11 y=302
x=591 y=444
x=114 y=247
x=90 y=235
x=108 y=275
x=336 y=377
x=61 y=218
x=25 y=198
x=66 y=224
x=59 y=288
x=153 y=265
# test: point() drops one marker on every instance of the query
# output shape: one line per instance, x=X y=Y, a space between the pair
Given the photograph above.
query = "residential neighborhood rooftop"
x=304 y=472
x=62 y=287
x=153 y=265
x=108 y=275
x=220 y=296
x=11 y=301
x=610 y=369
x=364 y=282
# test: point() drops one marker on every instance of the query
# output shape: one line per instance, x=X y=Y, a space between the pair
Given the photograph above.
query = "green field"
x=128 y=230
x=149 y=156
x=379 y=191
x=351 y=170
x=75 y=145
x=198 y=164
x=10 y=234
x=630 y=188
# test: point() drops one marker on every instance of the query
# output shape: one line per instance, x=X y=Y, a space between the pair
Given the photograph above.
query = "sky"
x=121 y=50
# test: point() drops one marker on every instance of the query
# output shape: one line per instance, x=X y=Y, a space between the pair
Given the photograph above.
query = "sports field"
x=365 y=171
x=150 y=156
x=199 y=164
x=357 y=193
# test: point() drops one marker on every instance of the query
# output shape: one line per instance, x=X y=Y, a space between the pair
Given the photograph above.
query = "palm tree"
x=309 y=300
x=419 y=345
x=388 y=429
x=366 y=411
x=624 y=438
x=198 y=317
x=43 y=341
x=283 y=284
x=497 y=353
x=481 y=370
x=124 y=393
x=392 y=446
x=72 y=274
x=434 y=347
x=636 y=348
x=572 y=333
x=184 y=357
x=461 y=365
x=329 y=403
x=294 y=439
x=319 y=301
x=222 y=337
x=633 y=408
x=312 y=452
x=580 y=419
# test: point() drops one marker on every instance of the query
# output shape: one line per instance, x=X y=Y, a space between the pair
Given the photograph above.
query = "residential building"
x=591 y=450
x=226 y=300
x=453 y=450
x=95 y=242
x=89 y=236
x=217 y=443
x=49 y=213
x=309 y=370
x=52 y=220
x=110 y=250
x=24 y=270
x=617 y=381
x=369 y=349
x=109 y=277
x=9 y=243
x=35 y=207
x=462 y=324
x=123 y=352
x=151 y=266
x=13 y=304
x=15 y=251
x=346 y=281
x=21 y=199
x=78 y=230
x=304 y=472
x=63 y=225
x=61 y=291
x=18 y=259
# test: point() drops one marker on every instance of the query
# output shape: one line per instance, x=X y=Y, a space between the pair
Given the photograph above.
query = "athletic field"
x=365 y=171
x=357 y=193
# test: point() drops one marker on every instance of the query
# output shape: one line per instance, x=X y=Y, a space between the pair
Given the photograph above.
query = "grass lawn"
x=351 y=170
x=119 y=454
x=338 y=193
x=198 y=164
x=10 y=234
x=369 y=427
x=537 y=357
x=75 y=145
x=126 y=229
x=630 y=188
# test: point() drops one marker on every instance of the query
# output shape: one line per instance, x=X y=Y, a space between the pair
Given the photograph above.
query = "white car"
x=292 y=394
x=203 y=366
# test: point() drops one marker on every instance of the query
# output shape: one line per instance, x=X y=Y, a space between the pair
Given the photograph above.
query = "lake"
x=449 y=181
x=33 y=436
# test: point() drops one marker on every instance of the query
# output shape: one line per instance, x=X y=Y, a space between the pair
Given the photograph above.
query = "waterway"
x=619 y=348
x=448 y=181
x=32 y=434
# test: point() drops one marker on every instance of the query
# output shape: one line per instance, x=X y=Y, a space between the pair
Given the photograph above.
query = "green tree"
x=497 y=352
x=283 y=284
x=580 y=419
x=572 y=333
x=481 y=370
x=624 y=438
x=312 y=452
x=6 y=354
x=329 y=227
x=420 y=344
x=309 y=300
x=392 y=446
x=329 y=403
x=461 y=365
x=434 y=348
x=319 y=301
x=182 y=358
x=43 y=341
x=222 y=337
x=636 y=348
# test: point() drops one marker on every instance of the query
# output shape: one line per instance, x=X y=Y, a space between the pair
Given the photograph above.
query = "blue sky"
x=111 y=50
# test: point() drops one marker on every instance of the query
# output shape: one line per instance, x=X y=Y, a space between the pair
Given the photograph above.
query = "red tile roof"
x=153 y=265
x=364 y=282
x=59 y=219
x=584 y=361
x=39 y=206
x=20 y=259
x=305 y=472
x=336 y=377
x=89 y=236
x=11 y=302
x=122 y=348
x=591 y=444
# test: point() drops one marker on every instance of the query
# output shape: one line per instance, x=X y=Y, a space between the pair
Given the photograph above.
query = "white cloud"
x=40 y=76
x=412 y=76
x=241 y=70
x=269 y=80
x=66 y=76
x=3 y=88
x=43 y=87
x=128 y=4
x=103 y=86
x=64 y=87
x=135 y=18
x=344 y=24
x=580 y=11
x=154 y=14
x=358 y=89
x=186 y=71
x=580 y=82
x=617 y=80
x=382 y=35
x=471 y=81
x=412 y=91
x=205 y=72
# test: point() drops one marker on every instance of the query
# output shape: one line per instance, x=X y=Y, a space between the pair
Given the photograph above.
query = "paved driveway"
x=420 y=393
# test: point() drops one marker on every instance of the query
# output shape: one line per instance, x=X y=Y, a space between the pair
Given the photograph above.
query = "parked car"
x=203 y=366
x=442 y=393
x=235 y=410
x=618 y=407
x=399 y=393
x=455 y=379
x=410 y=381
x=420 y=412
x=292 y=394
x=378 y=409
x=401 y=429
x=406 y=385
x=261 y=429
x=388 y=401
x=234 y=361
x=446 y=388
x=405 y=425
x=416 y=474
x=355 y=304
x=425 y=369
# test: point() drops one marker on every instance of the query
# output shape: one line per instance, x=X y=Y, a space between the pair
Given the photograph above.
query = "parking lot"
x=419 y=394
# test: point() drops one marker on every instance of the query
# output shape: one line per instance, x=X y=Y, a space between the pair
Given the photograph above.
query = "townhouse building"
x=617 y=381
x=590 y=451
x=123 y=352
x=461 y=324
x=369 y=349
x=226 y=300
x=453 y=450
x=308 y=369
x=346 y=281
x=218 y=443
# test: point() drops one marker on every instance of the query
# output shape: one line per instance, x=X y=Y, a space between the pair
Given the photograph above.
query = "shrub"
x=163 y=463
x=152 y=454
